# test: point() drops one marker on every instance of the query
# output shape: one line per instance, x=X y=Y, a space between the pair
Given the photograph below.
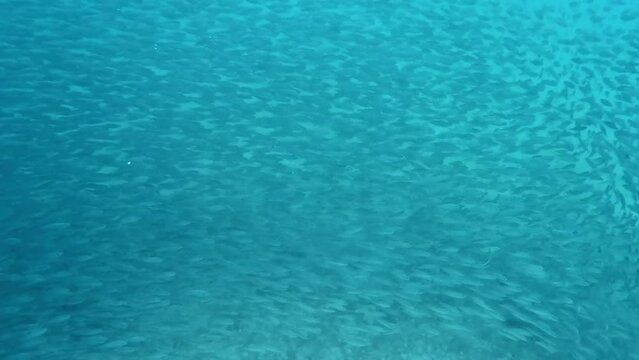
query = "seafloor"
x=319 y=180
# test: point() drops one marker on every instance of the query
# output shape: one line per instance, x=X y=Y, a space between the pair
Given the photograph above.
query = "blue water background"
x=319 y=180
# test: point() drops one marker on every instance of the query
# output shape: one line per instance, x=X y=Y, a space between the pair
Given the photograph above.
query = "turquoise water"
x=319 y=180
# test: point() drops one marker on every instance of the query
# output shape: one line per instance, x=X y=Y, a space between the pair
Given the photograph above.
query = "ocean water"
x=319 y=180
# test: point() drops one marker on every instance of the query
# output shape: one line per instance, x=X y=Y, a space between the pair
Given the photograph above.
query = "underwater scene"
x=319 y=180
